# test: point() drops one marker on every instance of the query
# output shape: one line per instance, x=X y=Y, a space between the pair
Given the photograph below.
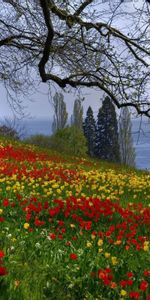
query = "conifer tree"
x=89 y=128
x=107 y=145
x=60 y=112
x=127 y=150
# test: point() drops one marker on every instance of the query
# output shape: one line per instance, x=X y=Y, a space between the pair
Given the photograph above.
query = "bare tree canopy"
x=99 y=44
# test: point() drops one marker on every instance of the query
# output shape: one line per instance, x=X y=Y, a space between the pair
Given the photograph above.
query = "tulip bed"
x=71 y=228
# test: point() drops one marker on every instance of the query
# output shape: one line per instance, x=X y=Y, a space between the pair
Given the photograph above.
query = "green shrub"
x=69 y=140
x=39 y=140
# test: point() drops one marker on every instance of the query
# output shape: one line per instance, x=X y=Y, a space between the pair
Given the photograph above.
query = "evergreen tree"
x=60 y=112
x=77 y=117
x=127 y=151
x=107 y=145
x=89 y=128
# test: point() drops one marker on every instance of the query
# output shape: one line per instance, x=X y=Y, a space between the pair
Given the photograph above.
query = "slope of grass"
x=71 y=228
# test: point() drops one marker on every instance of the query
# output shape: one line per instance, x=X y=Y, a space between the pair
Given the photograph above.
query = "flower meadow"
x=71 y=228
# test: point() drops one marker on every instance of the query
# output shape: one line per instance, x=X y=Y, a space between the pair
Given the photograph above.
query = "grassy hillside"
x=71 y=228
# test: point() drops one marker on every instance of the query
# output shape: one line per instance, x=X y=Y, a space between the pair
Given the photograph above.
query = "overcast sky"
x=38 y=105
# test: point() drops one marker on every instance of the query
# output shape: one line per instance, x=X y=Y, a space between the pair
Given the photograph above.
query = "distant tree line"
x=11 y=129
x=105 y=138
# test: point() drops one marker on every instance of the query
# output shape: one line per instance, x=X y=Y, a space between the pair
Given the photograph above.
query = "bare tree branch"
x=75 y=83
x=82 y=7
x=77 y=44
x=49 y=39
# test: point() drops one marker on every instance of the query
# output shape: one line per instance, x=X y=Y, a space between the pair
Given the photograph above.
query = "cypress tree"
x=107 y=145
x=77 y=117
x=89 y=128
x=60 y=112
x=127 y=151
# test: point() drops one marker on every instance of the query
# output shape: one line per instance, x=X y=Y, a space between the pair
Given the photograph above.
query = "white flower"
x=9 y=235
x=37 y=245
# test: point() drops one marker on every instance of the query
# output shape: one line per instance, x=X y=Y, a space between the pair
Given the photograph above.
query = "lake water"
x=141 y=137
